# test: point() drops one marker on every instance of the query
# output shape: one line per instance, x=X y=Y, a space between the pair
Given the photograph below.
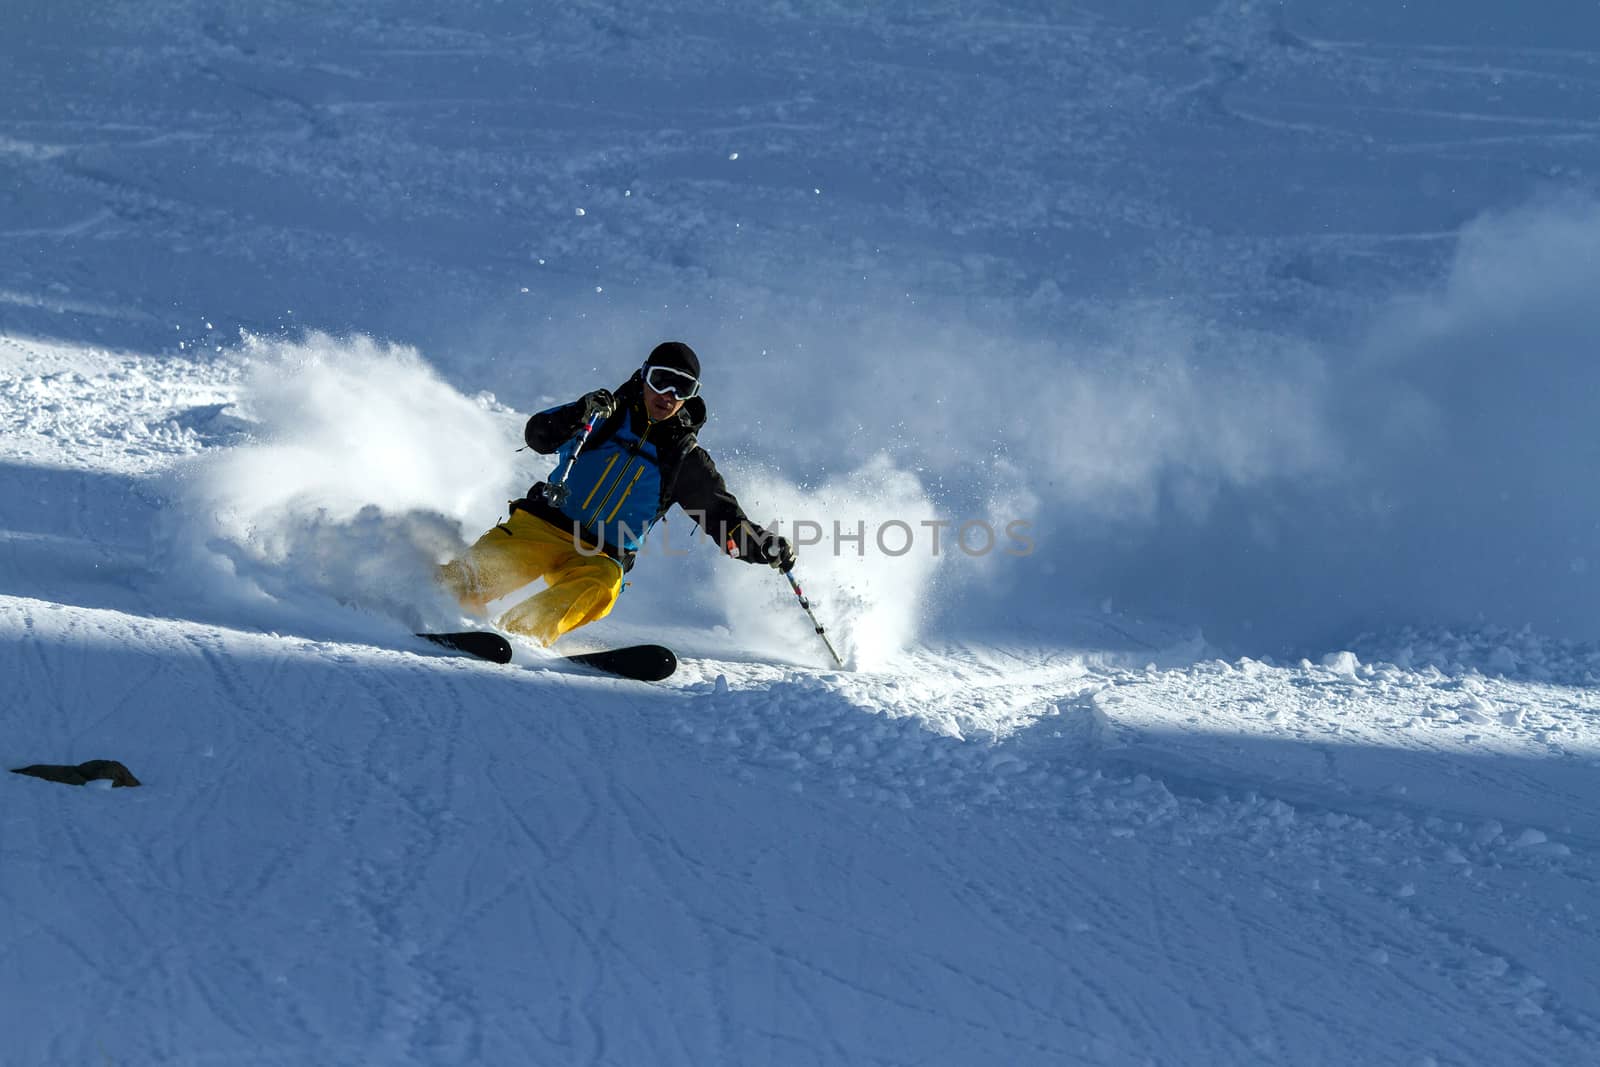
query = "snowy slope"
x=1103 y=849
x=344 y=854
x=1273 y=321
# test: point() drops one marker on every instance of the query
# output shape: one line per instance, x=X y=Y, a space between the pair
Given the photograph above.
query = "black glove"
x=778 y=552
x=600 y=402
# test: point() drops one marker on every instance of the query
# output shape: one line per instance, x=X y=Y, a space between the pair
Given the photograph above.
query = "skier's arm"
x=702 y=493
x=550 y=429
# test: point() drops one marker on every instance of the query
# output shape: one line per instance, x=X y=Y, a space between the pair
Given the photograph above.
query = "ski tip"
x=642 y=663
x=480 y=643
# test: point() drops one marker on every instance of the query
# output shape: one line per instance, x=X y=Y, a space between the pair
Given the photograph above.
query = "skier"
x=581 y=536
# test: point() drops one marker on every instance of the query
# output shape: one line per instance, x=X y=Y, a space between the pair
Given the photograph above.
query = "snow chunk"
x=1478 y=709
x=1343 y=664
x=1536 y=843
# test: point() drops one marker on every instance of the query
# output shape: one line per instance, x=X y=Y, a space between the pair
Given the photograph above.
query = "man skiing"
x=581 y=535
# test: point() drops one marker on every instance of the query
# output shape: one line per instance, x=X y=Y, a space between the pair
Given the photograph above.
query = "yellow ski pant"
x=579 y=588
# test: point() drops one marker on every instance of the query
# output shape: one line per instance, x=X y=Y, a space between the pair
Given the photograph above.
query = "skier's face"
x=660 y=405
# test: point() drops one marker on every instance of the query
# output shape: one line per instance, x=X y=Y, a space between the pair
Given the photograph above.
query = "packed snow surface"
x=1248 y=710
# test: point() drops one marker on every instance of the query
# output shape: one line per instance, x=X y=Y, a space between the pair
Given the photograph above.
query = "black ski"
x=480 y=643
x=643 y=663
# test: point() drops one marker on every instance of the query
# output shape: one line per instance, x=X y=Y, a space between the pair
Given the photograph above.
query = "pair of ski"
x=644 y=663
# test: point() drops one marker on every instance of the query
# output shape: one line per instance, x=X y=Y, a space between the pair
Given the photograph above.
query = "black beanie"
x=677 y=355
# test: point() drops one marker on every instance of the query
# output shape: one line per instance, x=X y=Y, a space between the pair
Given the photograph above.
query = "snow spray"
x=363 y=471
x=874 y=600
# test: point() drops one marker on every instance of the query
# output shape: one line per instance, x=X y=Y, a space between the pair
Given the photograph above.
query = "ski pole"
x=806 y=604
x=555 y=491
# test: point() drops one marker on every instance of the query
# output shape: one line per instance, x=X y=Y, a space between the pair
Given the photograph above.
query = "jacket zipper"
x=639 y=444
x=598 y=482
x=623 y=498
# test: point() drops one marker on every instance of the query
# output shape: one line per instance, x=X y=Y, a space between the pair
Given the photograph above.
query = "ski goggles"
x=676 y=383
